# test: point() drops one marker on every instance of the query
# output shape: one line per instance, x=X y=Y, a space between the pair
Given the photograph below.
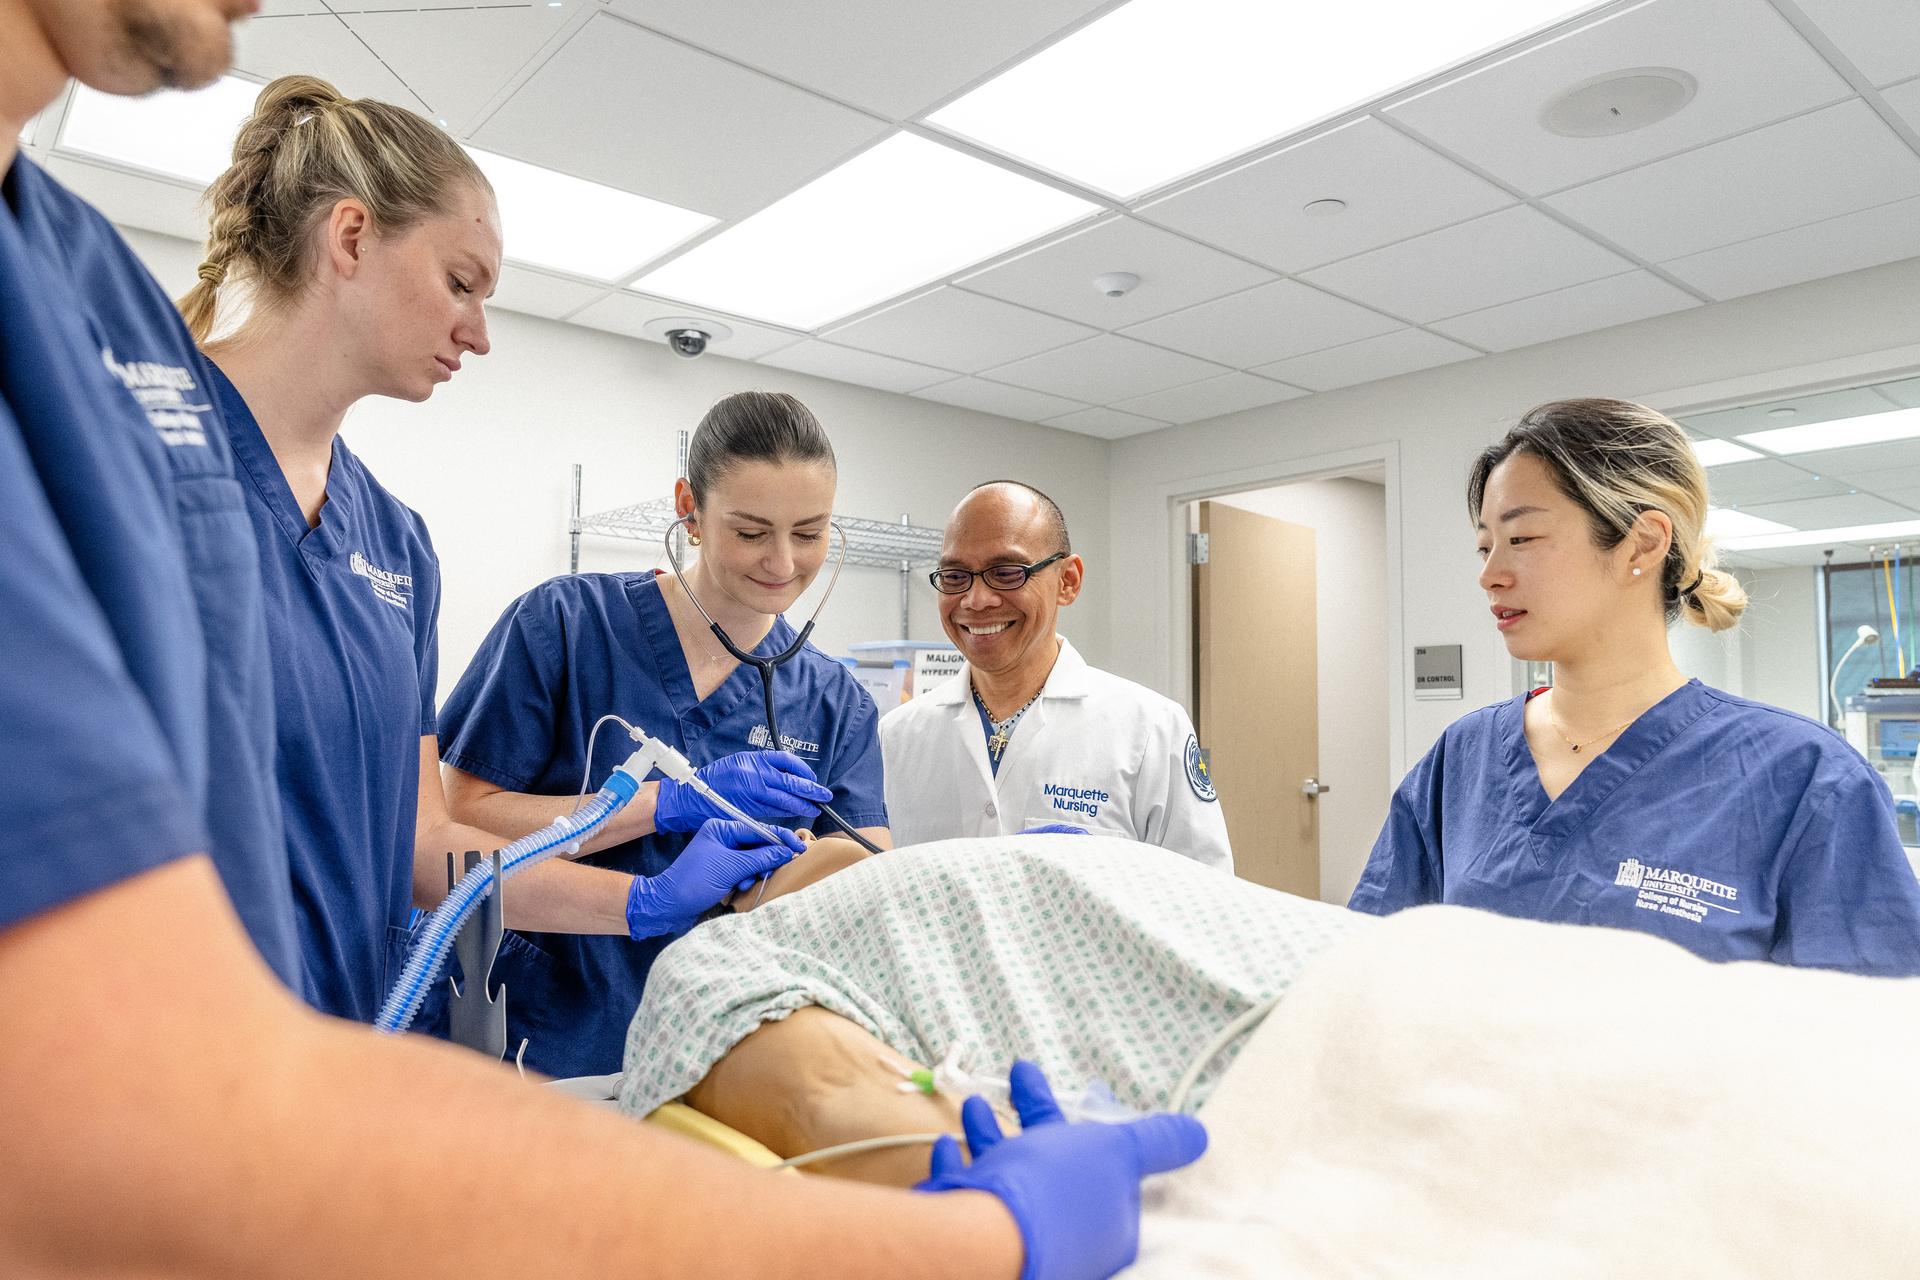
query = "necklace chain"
x=1555 y=722
x=1002 y=729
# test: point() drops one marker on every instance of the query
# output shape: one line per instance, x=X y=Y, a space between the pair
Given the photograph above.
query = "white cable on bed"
x=1177 y=1102
x=864 y=1144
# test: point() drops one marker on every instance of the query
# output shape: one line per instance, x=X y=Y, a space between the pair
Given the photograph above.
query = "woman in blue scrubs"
x=369 y=241
x=757 y=498
x=1628 y=795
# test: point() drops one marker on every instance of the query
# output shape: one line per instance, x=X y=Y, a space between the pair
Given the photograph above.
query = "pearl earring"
x=1636 y=571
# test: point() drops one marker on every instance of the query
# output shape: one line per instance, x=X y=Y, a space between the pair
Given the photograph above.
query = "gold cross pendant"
x=997 y=743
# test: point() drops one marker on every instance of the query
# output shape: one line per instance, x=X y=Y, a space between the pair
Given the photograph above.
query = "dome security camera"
x=689 y=343
x=687 y=336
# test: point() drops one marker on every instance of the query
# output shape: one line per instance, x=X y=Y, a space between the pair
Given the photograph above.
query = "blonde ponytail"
x=305 y=148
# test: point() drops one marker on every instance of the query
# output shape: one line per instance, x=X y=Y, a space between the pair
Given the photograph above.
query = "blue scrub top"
x=352 y=611
x=565 y=654
x=135 y=698
x=1738 y=830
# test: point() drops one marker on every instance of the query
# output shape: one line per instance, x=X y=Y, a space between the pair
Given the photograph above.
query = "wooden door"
x=1257 y=695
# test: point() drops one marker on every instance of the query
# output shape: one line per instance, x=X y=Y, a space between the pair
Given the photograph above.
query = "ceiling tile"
x=1404 y=351
x=1835 y=160
x=1275 y=321
x=1502 y=257
x=1880 y=37
x=1739 y=484
x=1838 y=512
x=1905 y=393
x=535 y=293
x=152 y=204
x=1229 y=393
x=894 y=57
x=1795 y=411
x=862 y=368
x=1850 y=242
x=1492 y=117
x=953 y=329
x=1108 y=424
x=1174 y=273
x=1017 y=403
x=1393 y=187
x=1598 y=304
x=627 y=312
x=267 y=48
x=493 y=43
x=1905 y=99
x=1895 y=484
x=1867 y=466
x=1104 y=369
x=681 y=126
x=1805 y=557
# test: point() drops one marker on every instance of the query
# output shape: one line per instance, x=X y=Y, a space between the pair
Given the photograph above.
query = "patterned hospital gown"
x=1100 y=959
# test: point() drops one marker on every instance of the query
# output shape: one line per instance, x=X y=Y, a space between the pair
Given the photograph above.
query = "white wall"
x=1779 y=639
x=1348 y=517
x=487 y=462
x=1427 y=426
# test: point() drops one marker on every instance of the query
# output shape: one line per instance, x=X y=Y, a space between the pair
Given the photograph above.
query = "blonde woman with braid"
x=361 y=243
x=1628 y=795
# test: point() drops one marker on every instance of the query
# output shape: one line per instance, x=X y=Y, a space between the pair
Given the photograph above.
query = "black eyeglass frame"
x=1026 y=572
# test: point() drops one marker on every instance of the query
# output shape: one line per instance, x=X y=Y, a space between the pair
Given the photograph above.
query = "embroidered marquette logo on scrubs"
x=1199 y=777
x=760 y=738
x=161 y=391
x=395 y=588
x=1080 y=802
x=1676 y=893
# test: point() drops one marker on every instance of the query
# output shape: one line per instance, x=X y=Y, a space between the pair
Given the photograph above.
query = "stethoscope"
x=766 y=666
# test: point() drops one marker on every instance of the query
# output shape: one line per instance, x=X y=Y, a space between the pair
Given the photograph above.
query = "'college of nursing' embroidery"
x=1676 y=893
x=759 y=737
x=161 y=390
x=394 y=588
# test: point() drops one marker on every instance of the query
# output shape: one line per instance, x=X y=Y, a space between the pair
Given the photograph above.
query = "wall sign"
x=1436 y=673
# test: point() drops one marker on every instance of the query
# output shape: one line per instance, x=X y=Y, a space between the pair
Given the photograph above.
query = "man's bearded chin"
x=172 y=46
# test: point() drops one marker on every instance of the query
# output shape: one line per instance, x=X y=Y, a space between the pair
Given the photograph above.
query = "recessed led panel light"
x=183 y=135
x=1723 y=523
x=1715 y=453
x=570 y=224
x=1841 y=433
x=898 y=215
x=1859 y=533
x=1159 y=88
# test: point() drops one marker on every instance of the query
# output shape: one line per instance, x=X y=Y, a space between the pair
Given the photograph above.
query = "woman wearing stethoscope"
x=660 y=652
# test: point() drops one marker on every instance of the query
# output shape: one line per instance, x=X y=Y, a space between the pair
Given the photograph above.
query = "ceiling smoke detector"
x=1116 y=284
x=1619 y=102
x=1324 y=208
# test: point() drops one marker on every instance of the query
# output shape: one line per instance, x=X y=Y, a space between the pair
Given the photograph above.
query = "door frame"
x=1175 y=495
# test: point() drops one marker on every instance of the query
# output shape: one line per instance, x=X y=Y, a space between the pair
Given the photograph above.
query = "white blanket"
x=1456 y=1094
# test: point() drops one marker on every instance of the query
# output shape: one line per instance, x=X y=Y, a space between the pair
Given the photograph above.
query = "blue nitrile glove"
x=1056 y=829
x=1073 y=1189
x=766 y=784
x=724 y=853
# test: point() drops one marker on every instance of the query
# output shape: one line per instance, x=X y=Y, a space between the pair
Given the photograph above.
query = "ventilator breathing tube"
x=429 y=953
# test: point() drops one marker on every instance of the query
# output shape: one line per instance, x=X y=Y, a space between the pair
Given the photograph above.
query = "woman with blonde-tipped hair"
x=355 y=245
x=1627 y=794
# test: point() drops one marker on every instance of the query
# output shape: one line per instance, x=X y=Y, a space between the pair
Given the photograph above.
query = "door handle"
x=1314 y=787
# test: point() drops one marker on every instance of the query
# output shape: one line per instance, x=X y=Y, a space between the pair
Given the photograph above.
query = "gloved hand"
x=724 y=854
x=766 y=784
x=1056 y=829
x=1073 y=1189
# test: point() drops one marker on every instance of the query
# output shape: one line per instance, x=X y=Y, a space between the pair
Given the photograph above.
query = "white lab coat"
x=1093 y=750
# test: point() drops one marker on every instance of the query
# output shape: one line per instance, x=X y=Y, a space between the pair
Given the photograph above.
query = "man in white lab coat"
x=1028 y=735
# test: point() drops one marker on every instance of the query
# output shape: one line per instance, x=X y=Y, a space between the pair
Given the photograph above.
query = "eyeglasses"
x=1001 y=577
